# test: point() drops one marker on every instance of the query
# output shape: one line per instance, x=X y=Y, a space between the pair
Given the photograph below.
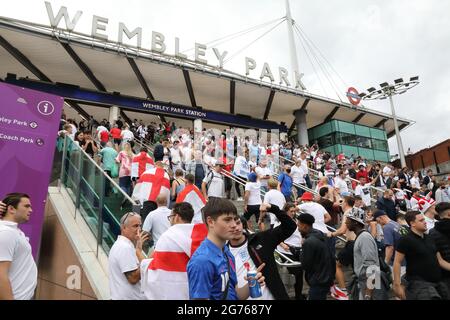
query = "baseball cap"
x=307 y=196
x=378 y=214
x=357 y=215
x=252 y=177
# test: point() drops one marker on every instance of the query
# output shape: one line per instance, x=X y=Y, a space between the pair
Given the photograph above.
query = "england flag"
x=192 y=195
x=151 y=183
x=164 y=277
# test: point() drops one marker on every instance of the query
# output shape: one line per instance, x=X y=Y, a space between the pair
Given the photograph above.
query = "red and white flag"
x=421 y=203
x=192 y=195
x=164 y=277
x=141 y=163
x=153 y=182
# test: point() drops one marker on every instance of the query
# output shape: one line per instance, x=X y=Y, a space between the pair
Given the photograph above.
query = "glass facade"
x=340 y=136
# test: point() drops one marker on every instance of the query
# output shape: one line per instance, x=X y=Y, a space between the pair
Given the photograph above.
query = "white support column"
x=198 y=129
x=302 y=128
x=114 y=112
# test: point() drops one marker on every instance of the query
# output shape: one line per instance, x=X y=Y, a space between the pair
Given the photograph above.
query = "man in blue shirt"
x=211 y=270
x=285 y=181
x=391 y=232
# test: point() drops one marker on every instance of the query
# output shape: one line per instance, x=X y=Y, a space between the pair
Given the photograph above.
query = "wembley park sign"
x=159 y=45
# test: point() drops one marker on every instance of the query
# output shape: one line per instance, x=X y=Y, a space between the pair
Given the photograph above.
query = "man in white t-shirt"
x=264 y=174
x=100 y=129
x=213 y=184
x=127 y=135
x=363 y=190
x=340 y=183
x=18 y=271
x=320 y=214
x=125 y=258
x=176 y=156
x=298 y=174
x=273 y=196
x=157 y=221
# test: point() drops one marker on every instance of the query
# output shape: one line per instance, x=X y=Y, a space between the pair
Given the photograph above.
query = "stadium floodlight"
x=387 y=91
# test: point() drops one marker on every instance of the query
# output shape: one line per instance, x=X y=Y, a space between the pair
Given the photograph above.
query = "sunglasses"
x=170 y=216
x=129 y=214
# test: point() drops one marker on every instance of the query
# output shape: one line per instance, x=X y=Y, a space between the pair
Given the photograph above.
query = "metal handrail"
x=405 y=190
x=309 y=161
x=291 y=263
x=301 y=186
x=333 y=230
x=101 y=170
x=235 y=178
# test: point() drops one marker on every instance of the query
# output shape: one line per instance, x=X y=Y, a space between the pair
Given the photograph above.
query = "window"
x=326 y=141
x=380 y=144
x=346 y=138
x=363 y=142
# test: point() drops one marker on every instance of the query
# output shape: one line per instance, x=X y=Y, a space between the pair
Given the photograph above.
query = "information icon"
x=46 y=108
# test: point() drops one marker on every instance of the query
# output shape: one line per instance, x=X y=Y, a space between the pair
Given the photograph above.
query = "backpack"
x=211 y=173
x=158 y=153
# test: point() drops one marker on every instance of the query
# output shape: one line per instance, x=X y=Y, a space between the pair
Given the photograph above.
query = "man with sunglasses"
x=125 y=258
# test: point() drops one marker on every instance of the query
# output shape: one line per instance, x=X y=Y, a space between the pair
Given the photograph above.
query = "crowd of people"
x=352 y=229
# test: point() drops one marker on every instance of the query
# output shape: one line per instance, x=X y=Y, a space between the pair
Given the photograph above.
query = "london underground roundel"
x=353 y=96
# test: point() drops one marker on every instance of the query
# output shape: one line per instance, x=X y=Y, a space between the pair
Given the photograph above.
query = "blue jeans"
x=300 y=191
x=308 y=181
x=318 y=292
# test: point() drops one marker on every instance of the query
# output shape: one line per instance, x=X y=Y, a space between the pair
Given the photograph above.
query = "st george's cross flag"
x=192 y=195
x=151 y=183
x=164 y=277
x=141 y=163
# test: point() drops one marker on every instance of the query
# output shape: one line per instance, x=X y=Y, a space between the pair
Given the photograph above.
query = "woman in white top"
x=415 y=180
x=252 y=198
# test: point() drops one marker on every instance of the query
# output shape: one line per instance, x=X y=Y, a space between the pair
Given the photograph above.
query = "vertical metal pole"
x=292 y=47
x=80 y=177
x=63 y=162
x=101 y=198
x=397 y=134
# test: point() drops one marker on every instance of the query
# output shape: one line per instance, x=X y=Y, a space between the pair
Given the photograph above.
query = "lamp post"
x=387 y=91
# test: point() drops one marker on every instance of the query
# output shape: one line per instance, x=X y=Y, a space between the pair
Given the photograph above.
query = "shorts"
x=117 y=141
x=252 y=210
x=345 y=256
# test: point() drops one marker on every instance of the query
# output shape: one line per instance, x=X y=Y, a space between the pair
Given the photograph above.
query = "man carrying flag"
x=141 y=163
x=151 y=183
x=192 y=195
x=164 y=276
